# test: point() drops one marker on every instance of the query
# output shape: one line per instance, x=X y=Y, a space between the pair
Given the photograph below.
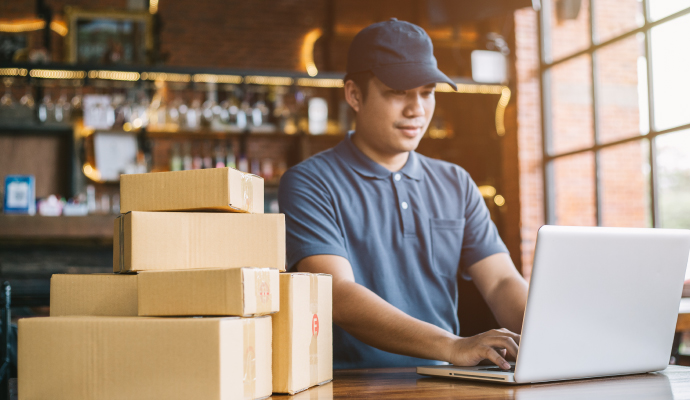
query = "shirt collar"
x=365 y=166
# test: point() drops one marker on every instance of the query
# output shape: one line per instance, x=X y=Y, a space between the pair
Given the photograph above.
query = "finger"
x=506 y=332
x=491 y=354
x=503 y=342
x=502 y=352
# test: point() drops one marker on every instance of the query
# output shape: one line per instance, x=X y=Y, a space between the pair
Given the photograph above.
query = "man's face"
x=393 y=121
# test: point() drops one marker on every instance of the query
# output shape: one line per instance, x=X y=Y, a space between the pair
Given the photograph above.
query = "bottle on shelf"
x=220 y=156
x=193 y=115
x=175 y=158
x=187 y=161
x=207 y=156
x=230 y=157
x=197 y=160
x=243 y=164
x=256 y=167
x=267 y=168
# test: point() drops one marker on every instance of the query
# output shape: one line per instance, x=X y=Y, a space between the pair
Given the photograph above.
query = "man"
x=394 y=227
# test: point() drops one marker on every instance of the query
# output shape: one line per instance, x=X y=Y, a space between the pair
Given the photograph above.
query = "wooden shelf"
x=29 y=228
x=208 y=134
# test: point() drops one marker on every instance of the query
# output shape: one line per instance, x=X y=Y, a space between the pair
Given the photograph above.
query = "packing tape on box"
x=249 y=365
x=247 y=192
x=121 y=235
x=313 y=345
x=262 y=284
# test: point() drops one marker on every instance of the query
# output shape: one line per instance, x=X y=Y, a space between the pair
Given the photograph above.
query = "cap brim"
x=410 y=76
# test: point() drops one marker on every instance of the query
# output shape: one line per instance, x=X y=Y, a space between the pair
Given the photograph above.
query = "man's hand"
x=357 y=309
x=493 y=345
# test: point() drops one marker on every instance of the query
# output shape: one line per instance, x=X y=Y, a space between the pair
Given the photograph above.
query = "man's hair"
x=361 y=79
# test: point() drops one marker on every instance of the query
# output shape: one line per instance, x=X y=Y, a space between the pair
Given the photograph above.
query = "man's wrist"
x=446 y=348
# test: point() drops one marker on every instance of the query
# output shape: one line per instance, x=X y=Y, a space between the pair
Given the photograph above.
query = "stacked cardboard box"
x=192 y=243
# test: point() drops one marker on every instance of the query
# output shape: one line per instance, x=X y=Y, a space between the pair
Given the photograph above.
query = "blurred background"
x=569 y=112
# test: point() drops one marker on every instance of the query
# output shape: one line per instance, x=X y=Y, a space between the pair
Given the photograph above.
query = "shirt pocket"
x=446 y=245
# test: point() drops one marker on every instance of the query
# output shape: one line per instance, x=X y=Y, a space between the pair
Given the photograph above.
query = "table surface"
x=404 y=383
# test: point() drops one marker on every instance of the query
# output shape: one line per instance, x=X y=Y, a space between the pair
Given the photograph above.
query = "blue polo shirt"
x=406 y=234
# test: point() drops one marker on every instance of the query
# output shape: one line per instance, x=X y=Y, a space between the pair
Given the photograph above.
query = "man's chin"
x=408 y=144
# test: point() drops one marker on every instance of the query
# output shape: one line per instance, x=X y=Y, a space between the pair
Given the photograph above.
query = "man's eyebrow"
x=430 y=86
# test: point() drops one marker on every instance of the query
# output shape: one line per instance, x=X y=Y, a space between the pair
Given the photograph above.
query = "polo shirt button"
x=397 y=177
x=404 y=205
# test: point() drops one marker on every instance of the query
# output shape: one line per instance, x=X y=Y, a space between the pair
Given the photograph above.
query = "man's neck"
x=392 y=162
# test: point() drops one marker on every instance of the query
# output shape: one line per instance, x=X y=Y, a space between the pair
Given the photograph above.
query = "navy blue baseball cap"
x=399 y=53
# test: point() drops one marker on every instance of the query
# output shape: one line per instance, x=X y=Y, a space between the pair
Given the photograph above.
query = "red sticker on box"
x=315 y=325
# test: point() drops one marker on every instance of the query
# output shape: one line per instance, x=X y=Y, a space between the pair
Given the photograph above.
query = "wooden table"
x=404 y=383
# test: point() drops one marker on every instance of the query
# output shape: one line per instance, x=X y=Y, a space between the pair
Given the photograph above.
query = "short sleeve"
x=480 y=238
x=310 y=218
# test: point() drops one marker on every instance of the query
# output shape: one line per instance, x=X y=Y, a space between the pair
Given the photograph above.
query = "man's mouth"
x=410 y=130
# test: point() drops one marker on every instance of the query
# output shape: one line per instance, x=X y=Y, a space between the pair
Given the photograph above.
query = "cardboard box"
x=303 y=333
x=213 y=189
x=155 y=241
x=144 y=358
x=238 y=291
x=93 y=294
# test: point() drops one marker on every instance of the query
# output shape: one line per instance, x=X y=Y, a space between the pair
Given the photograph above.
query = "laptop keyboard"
x=497 y=369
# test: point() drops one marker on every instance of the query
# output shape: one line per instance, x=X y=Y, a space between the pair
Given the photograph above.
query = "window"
x=616 y=112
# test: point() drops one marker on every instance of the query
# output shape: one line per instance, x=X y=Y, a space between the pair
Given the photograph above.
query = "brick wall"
x=264 y=34
x=623 y=169
x=529 y=133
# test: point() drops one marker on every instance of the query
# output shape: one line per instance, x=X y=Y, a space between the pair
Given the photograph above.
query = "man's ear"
x=353 y=95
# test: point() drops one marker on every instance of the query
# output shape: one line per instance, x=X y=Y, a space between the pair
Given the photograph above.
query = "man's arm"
x=503 y=288
x=377 y=323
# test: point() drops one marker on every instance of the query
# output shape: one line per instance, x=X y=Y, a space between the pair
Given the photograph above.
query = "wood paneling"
x=45 y=157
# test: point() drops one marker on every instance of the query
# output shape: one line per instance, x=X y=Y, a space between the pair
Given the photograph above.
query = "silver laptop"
x=602 y=301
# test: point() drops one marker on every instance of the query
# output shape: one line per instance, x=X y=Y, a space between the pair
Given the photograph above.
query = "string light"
x=56 y=74
x=164 y=76
x=268 y=80
x=13 y=71
x=321 y=82
x=114 y=75
x=212 y=78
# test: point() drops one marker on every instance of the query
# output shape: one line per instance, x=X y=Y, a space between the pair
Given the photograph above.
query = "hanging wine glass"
x=62 y=109
x=6 y=99
x=174 y=113
x=28 y=99
x=77 y=99
x=46 y=110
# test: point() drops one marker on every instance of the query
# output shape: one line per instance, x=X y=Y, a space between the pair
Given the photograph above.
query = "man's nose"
x=415 y=107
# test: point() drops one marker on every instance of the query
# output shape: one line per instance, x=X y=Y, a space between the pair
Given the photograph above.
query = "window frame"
x=545 y=66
